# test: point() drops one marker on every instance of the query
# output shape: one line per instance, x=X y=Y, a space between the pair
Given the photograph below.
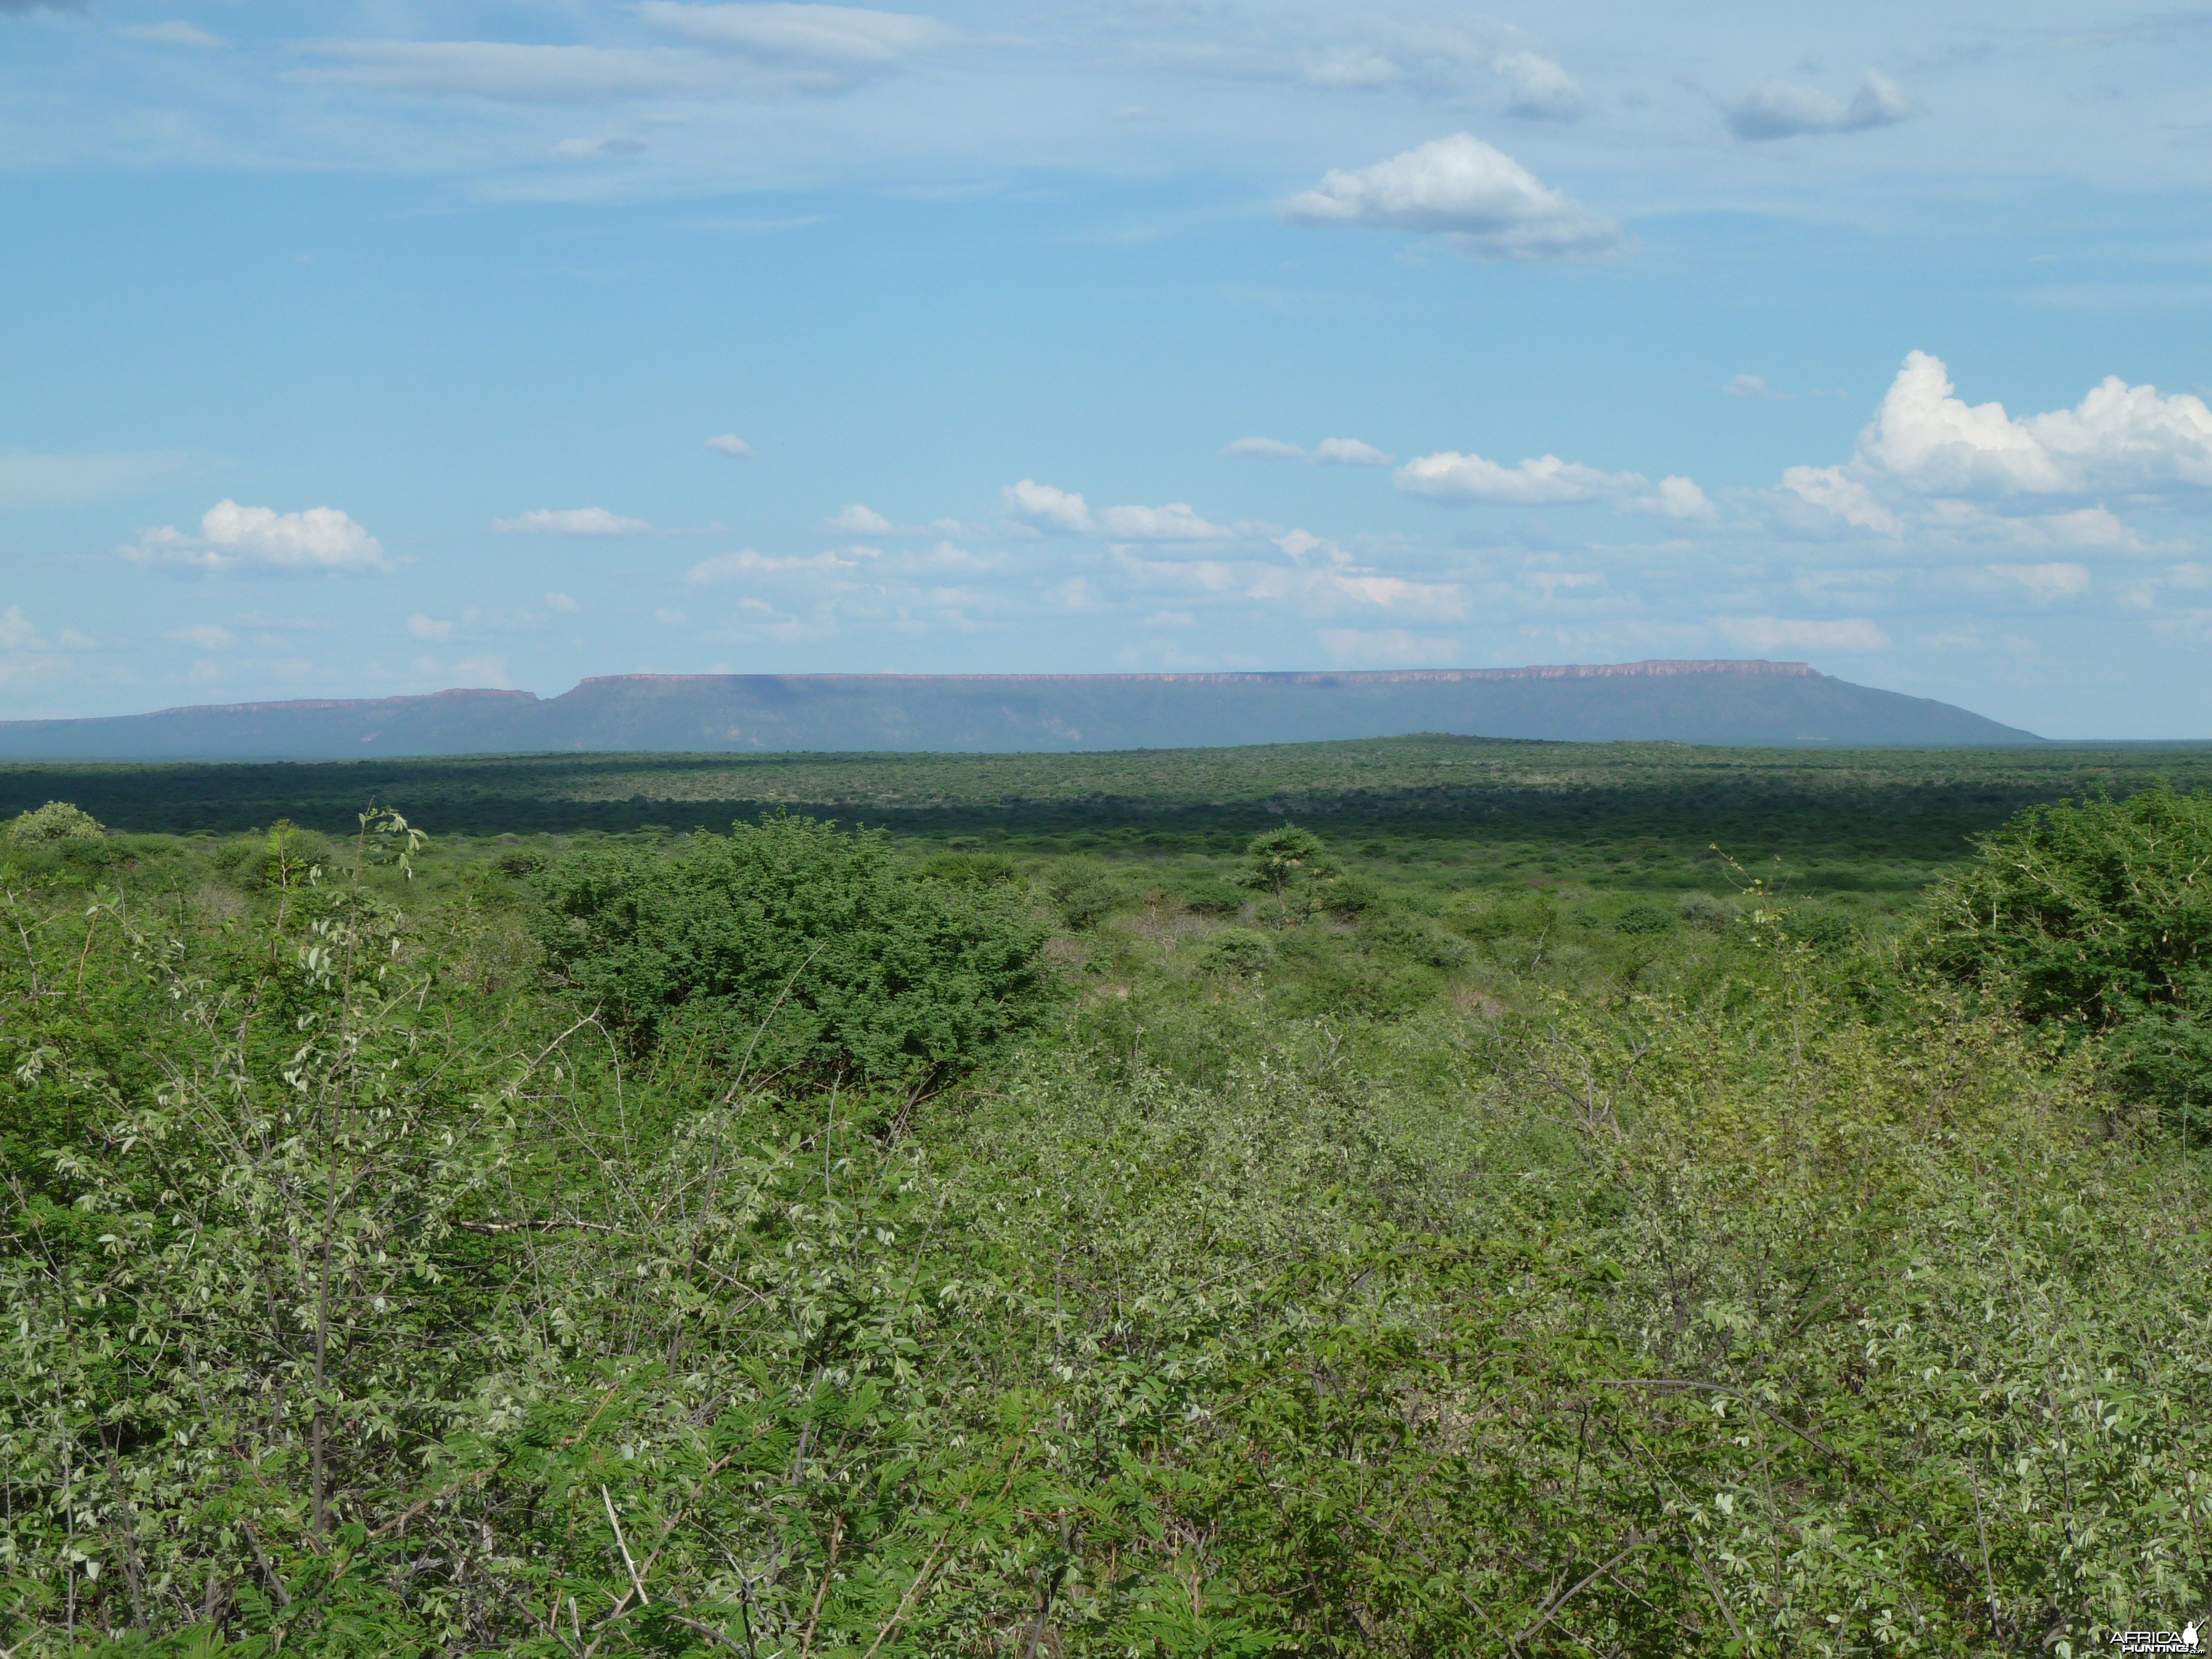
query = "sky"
x=356 y=348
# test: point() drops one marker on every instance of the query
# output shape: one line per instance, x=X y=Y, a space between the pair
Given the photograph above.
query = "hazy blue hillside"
x=1757 y=703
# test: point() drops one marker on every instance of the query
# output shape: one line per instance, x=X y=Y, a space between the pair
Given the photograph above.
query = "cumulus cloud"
x=1547 y=480
x=1043 y=508
x=572 y=521
x=429 y=628
x=321 y=541
x=1676 y=497
x=1782 y=109
x=1847 y=497
x=1538 y=89
x=561 y=602
x=732 y=445
x=1297 y=544
x=1792 y=634
x=1176 y=522
x=2120 y=437
x=1482 y=202
x=1347 y=452
x=2047 y=581
x=1931 y=462
x=860 y=520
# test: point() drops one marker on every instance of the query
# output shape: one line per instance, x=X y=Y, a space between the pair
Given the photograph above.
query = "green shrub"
x=2089 y=911
x=521 y=861
x=1644 y=917
x=967 y=869
x=1704 y=913
x=817 y=953
x=57 y=821
x=1350 y=896
x=1504 y=918
x=1210 y=896
x=1418 y=937
x=1083 y=893
x=1239 y=953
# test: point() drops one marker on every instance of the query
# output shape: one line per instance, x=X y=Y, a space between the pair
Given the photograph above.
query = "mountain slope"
x=1754 y=703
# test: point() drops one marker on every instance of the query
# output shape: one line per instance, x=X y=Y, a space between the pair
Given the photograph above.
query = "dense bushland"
x=399 y=1268
x=2095 y=917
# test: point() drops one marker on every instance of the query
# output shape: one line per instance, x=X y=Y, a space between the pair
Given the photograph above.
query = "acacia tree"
x=1288 y=864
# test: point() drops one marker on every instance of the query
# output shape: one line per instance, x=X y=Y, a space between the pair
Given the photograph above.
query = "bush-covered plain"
x=788 y=1242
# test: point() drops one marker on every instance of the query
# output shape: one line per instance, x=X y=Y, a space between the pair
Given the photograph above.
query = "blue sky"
x=358 y=348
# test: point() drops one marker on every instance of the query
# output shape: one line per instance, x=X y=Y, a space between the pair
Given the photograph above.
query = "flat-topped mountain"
x=1729 y=702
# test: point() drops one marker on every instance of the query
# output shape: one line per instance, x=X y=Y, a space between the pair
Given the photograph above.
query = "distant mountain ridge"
x=1733 y=702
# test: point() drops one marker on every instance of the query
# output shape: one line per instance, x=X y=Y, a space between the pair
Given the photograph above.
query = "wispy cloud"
x=572 y=521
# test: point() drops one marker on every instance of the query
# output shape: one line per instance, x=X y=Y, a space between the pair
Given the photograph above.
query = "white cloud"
x=1329 y=451
x=1749 y=386
x=1438 y=601
x=860 y=520
x=1539 y=89
x=1347 y=452
x=206 y=635
x=748 y=562
x=2118 y=437
x=68 y=480
x=510 y=71
x=1176 y=522
x=320 y=541
x=1781 y=109
x=1299 y=543
x=1451 y=476
x=429 y=628
x=834 y=44
x=2047 y=581
x=597 y=150
x=669 y=618
x=1790 y=633
x=1676 y=497
x=572 y=521
x=1043 y=508
x=2088 y=527
x=732 y=445
x=1481 y=201
x=1274 y=448
x=1394 y=646
x=172 y=34
x=18 y=632
x=562 y=603
x=483 y=671
x=1847 y=497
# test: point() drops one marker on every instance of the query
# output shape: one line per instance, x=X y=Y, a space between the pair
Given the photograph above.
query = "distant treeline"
x=1915 y=806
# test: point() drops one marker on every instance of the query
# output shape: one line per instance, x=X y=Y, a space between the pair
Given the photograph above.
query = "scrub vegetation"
x=1302 y=1228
